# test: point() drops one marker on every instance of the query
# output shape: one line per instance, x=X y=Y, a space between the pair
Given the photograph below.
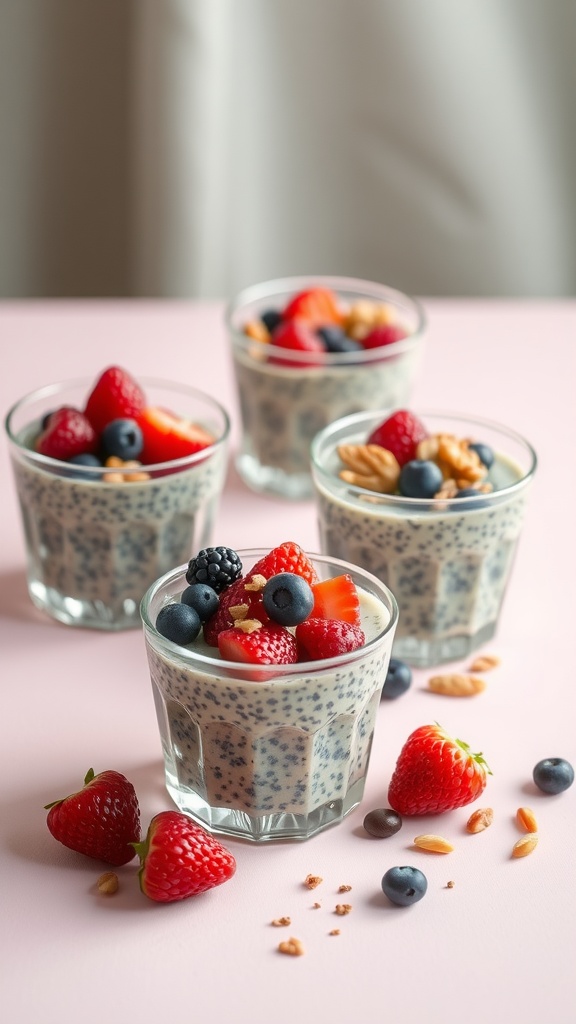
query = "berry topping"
x=122 y=438
x=116 y=395
x=179 y=623
x=435 y=773
x=553 y=775
x=287 y=557
x=271 y=644
x=383 y=334
x=382 y=823
x=180 y=859
x=287 y=599
x=271 y=318
x=68 y=433
x=317 y=306
x=218 y=567
x=404 y=885
x=420 y=478
x=398 y=679
x=102 y=820
x=168 y=437
x=233 y=596
x=484 y=453
x=336 y=598
x=202 y=598
x=297 y=336
x=401 y=434
x=335 y=340
x=327 y=638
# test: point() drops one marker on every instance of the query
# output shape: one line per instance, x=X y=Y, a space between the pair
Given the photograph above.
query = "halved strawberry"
x=297 y=336
x=336 y=599
x=115 y=396
x=327 y=638
x=318 y=306
x=167 y=436
x=67 y=433
x=270 y=645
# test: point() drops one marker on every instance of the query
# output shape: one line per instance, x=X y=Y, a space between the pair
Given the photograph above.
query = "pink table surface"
x=500 y=943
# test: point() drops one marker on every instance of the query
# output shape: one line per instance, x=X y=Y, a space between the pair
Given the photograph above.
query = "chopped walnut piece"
x=248 y=625
x=280 y=922
x=335 y=931
x=450 y=884
x=485 y=663
x=316 y=906
x=238 y=611
x=457 y=460
x=479 y=820
x=342 y=909
x=257 y=329
x=257 y=583
x=369 y=466
x=363 y=315
x=344 y=888
x=292 y=947
x=312 y=881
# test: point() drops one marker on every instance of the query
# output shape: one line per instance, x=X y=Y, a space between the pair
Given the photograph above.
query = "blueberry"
x=420 y=478
x=178 y=623
x=404 y=885
x=287 y=598
x=484 y=453
x=470 y=492
x=122 y=438
x=336 y=340
x=271 y=318
x=85 y=459
x=553 y=775
x=398 y=679
x=202 y=598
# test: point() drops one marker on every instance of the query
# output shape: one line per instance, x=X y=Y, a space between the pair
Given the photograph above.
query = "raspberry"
x=287 y=557
x=327 y=638
x=400 y=434
x=218 y=567
x=384 y=334
x=297 y=336
x=115 y=396
x=67 y=434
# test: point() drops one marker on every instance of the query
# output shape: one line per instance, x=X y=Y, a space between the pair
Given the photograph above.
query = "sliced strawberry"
x=318 y=306
x=167 y=436
x=286 y=557
x=115 y=396
x=384 y=334
x=336 y=599
x=400 y=434
x=67 y=433
x=234 y=595
x=270 y=645
x=297 y=336
x=327 y=638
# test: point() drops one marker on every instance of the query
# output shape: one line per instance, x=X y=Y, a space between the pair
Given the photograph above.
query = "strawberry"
x=435 y=773
x=167 y=436
x=180 y=859
x=384 y=334
x=336 y=599
x=116 y=395
x=297 y=336
x=66 y=434
x=317 y=306
x=327 y=638
x=400 y=434
x=272 y=644
x=102 y=820
x=287 y=557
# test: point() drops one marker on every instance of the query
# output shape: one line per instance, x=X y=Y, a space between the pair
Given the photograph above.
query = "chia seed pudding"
x=94 y=547
x=283 y=406
x=448 y=562
x=268 y=752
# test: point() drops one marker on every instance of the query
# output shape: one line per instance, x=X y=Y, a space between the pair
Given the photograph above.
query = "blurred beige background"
x=189 y=147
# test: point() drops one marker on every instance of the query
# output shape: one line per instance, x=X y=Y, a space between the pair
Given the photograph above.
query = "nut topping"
x=369 y=466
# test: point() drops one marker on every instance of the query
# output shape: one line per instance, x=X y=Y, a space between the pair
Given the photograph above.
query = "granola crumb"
x=450 y=884
x=107 y=884
x=335 y=931
x=292 y=947
x=343 y=908
x=316 y=906
x=344 y=888
x=312 y=881
x=280 y=922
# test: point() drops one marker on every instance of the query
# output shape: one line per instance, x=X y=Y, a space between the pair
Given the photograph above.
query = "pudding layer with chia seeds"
x=103 y=544
x=293 y=742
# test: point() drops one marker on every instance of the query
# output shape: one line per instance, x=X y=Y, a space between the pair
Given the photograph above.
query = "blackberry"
x=218 y=567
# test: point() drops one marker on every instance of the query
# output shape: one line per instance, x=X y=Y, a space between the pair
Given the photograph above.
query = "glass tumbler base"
x=85 y=614
x=428 y=653
x=275 y=482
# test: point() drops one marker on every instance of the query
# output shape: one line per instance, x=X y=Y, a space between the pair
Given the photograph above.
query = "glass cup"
x=94 y=547
x=448 y=563
x=284 y=406
x=268 y=752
